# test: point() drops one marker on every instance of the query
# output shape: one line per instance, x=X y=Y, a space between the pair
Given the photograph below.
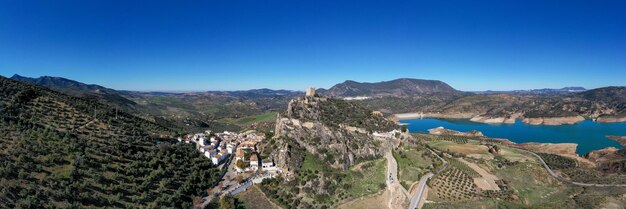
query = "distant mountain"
x=400 y=88
x=545 y=91
x=611 y=95
x=79 y=89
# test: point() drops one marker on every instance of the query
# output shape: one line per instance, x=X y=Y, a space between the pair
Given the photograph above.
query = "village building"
x=230 y=147
x=239 y=154
x=254 y=162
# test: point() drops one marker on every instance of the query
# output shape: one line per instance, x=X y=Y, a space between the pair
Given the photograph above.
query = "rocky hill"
x=61 y=151
x=399 y=88
x=603 y=104
x=337 y=132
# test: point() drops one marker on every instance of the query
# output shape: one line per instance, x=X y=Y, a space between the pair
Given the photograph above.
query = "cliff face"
x=337 y=132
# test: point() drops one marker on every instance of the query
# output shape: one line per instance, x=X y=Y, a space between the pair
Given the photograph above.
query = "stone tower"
x=310 y=92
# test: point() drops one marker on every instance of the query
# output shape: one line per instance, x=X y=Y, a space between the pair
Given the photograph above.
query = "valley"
x=320 y=151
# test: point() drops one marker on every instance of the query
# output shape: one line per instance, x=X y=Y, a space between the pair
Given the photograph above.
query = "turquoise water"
x=588 y=135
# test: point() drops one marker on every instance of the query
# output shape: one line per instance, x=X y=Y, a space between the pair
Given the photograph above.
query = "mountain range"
x=211 y=108
x=544 y=91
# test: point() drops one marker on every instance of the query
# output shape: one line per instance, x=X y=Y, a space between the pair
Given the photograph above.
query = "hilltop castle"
x=310 y=92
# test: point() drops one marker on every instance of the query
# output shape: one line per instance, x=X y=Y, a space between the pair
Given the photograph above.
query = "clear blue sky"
x=230 y=44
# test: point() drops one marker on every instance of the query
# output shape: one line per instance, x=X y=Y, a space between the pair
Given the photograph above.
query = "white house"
x=216 y=159
x=210 y=153
x=202 y=141
x=267 y=164
x=230 y=147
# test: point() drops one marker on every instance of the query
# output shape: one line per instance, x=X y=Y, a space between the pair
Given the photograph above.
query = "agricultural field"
x=370 y=202
x=413 y=162
x=472 y=149
x=473 y=204
x=592 y=176
x=557 y=161
x=249 y=120
x=454 y=184
x=253 y=198
x=450 y=138
x=462 y=166
x=522 y=180
x=514 y=155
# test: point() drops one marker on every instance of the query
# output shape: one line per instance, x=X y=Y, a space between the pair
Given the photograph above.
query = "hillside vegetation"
x=59 y=151
x=597 y=103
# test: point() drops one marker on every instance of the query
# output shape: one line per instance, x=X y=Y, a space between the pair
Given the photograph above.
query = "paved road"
x=241 y=188
x=228 y=164
x=393 y=186
x=417 y=198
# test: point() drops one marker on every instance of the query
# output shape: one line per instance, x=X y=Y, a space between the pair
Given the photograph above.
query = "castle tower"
x=310 y=92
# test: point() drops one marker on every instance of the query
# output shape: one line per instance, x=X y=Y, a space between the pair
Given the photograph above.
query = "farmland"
x=413 y=162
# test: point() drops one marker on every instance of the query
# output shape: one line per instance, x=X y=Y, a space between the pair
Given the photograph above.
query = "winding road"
x=556 y=176
x=417 y=198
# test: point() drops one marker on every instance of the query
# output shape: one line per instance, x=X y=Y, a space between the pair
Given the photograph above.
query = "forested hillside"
x=59 y=151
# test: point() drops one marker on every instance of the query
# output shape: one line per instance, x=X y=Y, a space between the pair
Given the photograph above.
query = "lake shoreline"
x=551 y=121
x=589 y=135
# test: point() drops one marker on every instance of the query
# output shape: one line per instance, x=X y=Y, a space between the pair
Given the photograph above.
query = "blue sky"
x=230 y=44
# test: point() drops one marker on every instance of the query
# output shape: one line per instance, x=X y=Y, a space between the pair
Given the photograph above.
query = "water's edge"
x=587 y=134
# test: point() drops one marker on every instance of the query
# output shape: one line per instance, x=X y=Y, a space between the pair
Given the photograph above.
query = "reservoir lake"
x=587 y=134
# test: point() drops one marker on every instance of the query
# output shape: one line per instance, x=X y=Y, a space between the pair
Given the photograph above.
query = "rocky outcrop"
x=495 y=120
x=338 y=147
x=289 y=156
x=597 y=155
x=553 y=120
x=337 y=132
x=609 y=160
